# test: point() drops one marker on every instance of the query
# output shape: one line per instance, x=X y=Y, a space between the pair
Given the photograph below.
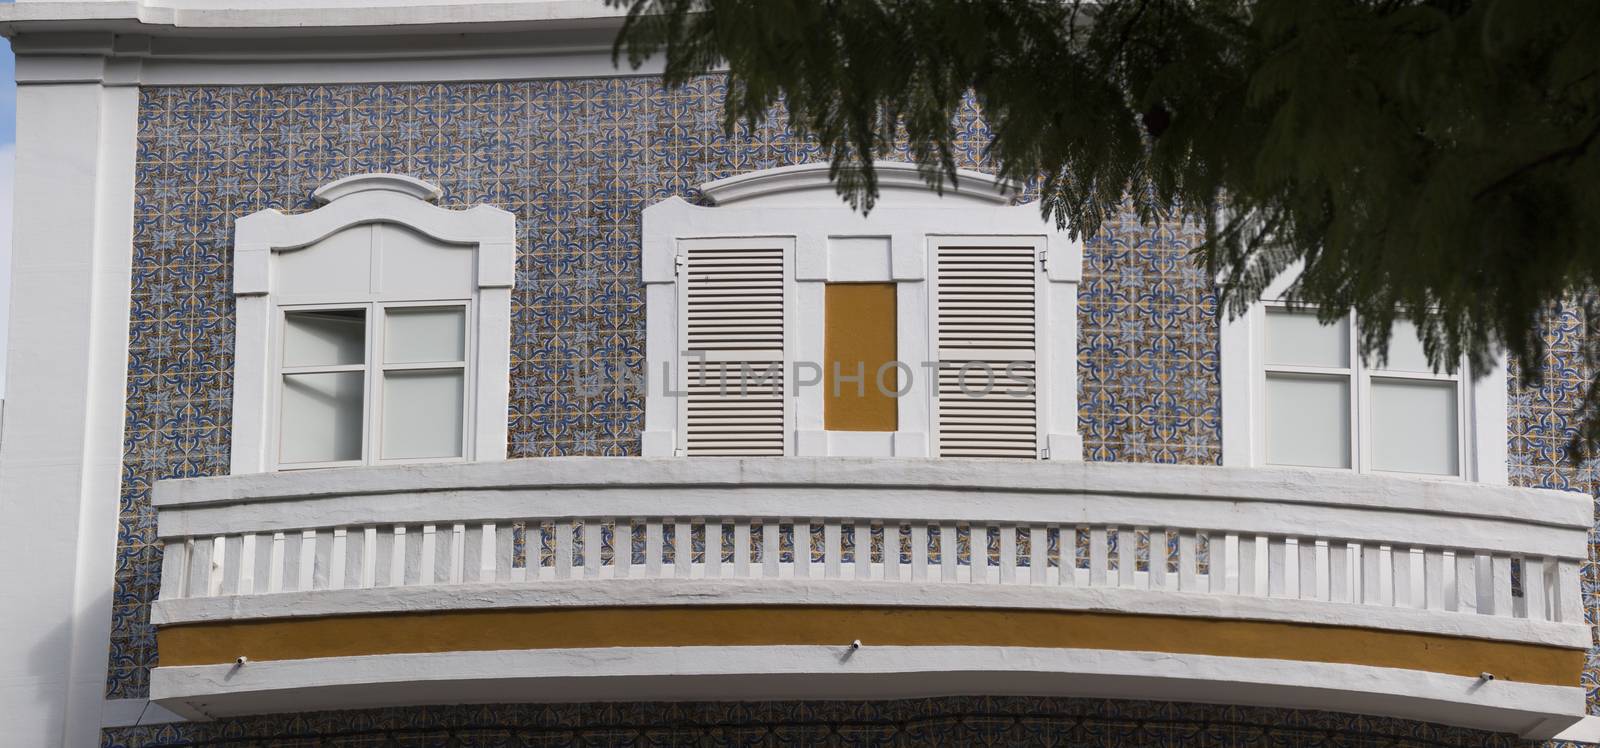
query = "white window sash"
x=1250 y=329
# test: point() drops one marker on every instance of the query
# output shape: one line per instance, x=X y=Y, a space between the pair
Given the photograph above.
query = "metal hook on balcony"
x=851 y=650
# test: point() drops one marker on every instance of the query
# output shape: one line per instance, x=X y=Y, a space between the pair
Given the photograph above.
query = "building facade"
x=400 y=373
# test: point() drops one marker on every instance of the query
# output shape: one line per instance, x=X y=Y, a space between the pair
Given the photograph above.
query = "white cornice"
x=302 y=16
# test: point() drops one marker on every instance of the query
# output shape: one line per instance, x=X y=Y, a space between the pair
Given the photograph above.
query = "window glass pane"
x=326 y=337
x=321 y=417
x=1308 y=420
x=1414 y=427
x=1297 y=339
x=422 y=414
x=425 y=334
x=1405 y=349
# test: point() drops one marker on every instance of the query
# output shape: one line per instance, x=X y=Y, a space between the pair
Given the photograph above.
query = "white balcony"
x=481 y=583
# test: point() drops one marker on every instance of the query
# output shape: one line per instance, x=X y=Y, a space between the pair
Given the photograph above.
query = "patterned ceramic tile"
x=970 y=720
x=1541 y=420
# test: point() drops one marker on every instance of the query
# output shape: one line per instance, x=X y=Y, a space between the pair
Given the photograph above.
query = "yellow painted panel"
x=560 y=628
x=859 y=338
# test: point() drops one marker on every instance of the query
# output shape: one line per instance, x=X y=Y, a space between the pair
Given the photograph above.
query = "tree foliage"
x=1428 y=159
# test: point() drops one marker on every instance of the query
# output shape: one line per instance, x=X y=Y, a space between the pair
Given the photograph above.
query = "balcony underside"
x=563 y=580
x=874 y=672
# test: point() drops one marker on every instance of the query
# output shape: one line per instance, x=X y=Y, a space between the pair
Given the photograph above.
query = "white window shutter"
x=733 y=325
x=987 y=321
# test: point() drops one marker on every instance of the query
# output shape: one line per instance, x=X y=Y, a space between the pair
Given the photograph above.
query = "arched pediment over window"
x=373 y=329
x=899 y=185
x=780 y=281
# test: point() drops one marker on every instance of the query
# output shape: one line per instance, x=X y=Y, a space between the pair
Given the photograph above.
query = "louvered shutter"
x=987 y=314
x=734 y=315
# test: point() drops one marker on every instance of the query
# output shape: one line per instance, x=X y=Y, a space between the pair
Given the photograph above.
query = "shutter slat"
x=734 y=317
x=986 y=317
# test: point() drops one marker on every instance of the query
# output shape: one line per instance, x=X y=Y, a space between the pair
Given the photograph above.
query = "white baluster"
x=1097 y=556
x=218 y=565
x=1354 y=569
x=1188 y=580
x=1417 y=579
x=622 y=547
x=458 y=553
x=1038 y=554
x=683 y=548
x=1149 y=579
x=1467 y=573
x=486 y=553
x=863 y=542
x=653 y=542
x=1432 y=580
x=1230 y=564
x=802 y=548
x=336 y=558
x=1127 y=556
x=713 y=548
x=1261 y=584
x=175 y=569
x=949 y=558
x=1160 y=579
x=1449 y=581
x=771 y=548
x=1484 y=574
x=832 y=550
x=368 y=573
x=741 y=547
x=563 y=549
x=1291 y=568
x=978 y=563
x=1066 y=555
x=712 y=564
x=592 y=529
x=1385 y=576
x=891 y=552
x=430 y=554
x=308 y=561
x=1008 y=554
x=1533 y=588
x=275 y=564
x=1323 y=568
x=397 y=557
x=1504 y=604
x=247 y=565
x=1568 y=592
x=919 y=552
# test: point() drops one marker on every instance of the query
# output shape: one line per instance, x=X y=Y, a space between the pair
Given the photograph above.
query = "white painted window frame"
x=487 y=231
x=1481 y=403
x=373 y=370
x=834 y=243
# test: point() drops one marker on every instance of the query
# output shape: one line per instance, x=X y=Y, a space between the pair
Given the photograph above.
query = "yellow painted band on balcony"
x=859 y=338
x=346 y=636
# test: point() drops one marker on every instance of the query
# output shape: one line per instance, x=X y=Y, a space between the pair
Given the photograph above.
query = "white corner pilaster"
x=61 y=450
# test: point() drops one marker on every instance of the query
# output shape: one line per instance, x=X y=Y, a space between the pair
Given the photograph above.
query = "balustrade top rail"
x=1299 y=537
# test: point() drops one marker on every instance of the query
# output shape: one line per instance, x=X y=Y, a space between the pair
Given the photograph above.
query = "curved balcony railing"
x=1299 y=547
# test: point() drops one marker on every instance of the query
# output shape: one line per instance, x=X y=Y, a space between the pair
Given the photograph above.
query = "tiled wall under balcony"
x=576 y=161
x=959 y=721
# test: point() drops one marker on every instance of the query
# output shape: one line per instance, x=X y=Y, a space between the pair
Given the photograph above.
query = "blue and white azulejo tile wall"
x=577 y=161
